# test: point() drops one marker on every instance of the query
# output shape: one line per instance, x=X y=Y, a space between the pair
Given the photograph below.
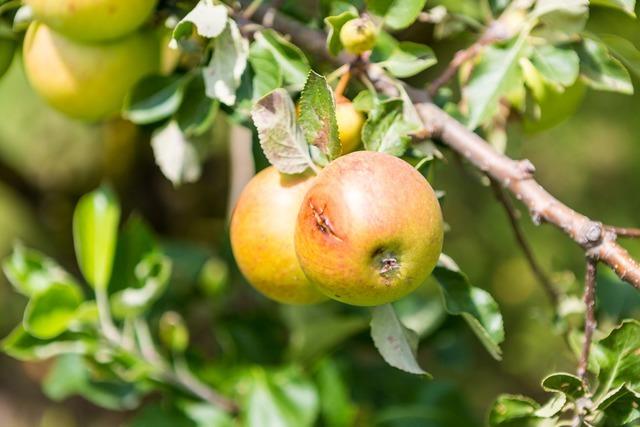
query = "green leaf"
x=334 y=24
x=386 y=129
x=95 y=234
x=154 y=98
x=31 y=272
x=294 y=64
x=22 y=346
x=365 y=101
x=318 y=116
x=152 y=276
x=509 y=408
x=197 y=112
x=627 y=6
x=600 y=70
x=267 y=75
x=557 y=65
x=560 y=20
x=283 y=399
x=336 y=408
x=157 y=415
x=208 y=19
x=280 y=137
x=178 y=156
x=624 y=50
x=397 y=14
x=406 y=59
x=135 y=241
x=619 y=361
x=50 y=312
x=205 y=415
x=620 y=406
x=71 y=376
x=396 y=344
x=567 y=384
x=223 y=74
x=495 y=75
x=475 y=305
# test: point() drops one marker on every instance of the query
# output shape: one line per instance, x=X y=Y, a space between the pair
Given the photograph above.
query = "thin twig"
x=589 y=326
x=536 y=268
x=590 y=316
x=633 y=233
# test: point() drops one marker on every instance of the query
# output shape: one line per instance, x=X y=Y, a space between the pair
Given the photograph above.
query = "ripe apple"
x=87 y=81
x=262 y=236
x=93 y=20
x=358 y=35
x=369 y=229
x=7 y=48
x=350 y=123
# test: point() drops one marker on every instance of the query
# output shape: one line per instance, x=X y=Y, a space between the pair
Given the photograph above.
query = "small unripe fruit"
x=262 y=236
x=350 y=123
x=369 y=230
x=358 y=35
x=87 y=81
x=93 y=20
x=7 y=49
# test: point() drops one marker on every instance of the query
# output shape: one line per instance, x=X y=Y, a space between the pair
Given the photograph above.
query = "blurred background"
x=590 y=162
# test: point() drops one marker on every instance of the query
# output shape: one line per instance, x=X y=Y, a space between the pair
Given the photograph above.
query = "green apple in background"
x=358 y=35
x=87 y=81
x=262 y=228
x=350 y=123
x=551 y=104
x=93 y=20
x=369 y=230
x=7 y=49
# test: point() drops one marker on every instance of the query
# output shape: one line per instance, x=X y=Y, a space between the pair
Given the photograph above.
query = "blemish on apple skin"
x=322 y=221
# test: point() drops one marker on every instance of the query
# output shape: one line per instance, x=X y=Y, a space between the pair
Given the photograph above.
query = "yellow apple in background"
x=93 y=20
x=350 y=123
x=369 y=230
x=87 y=81
x=7 y=49
x=262 y=228
x=358 y=35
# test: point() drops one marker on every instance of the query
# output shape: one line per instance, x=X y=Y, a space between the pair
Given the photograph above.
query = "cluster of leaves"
x=612 y=401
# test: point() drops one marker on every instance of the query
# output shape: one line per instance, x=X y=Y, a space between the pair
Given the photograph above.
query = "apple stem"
x=342 y=86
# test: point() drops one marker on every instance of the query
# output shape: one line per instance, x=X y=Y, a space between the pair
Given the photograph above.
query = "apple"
x=93 y=20
x=87 y=81
x=369 y=230
x=262 y=228
x=350 y=123
x=7 y=48
x=358 y=35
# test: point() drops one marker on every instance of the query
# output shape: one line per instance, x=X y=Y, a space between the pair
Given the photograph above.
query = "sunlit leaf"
x=154 y=98
x=475 y=305
x=222 y=75
x=280 y=137
x=396 y=343
x=292 y=61
x=208 y=19
x=318 y=116
x=95 y=234
x=495 y=75
x=397 y=14
x=50 y=312
x=602 y=71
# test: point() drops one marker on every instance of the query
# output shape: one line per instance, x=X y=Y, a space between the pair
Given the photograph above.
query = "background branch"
x=536 y=268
